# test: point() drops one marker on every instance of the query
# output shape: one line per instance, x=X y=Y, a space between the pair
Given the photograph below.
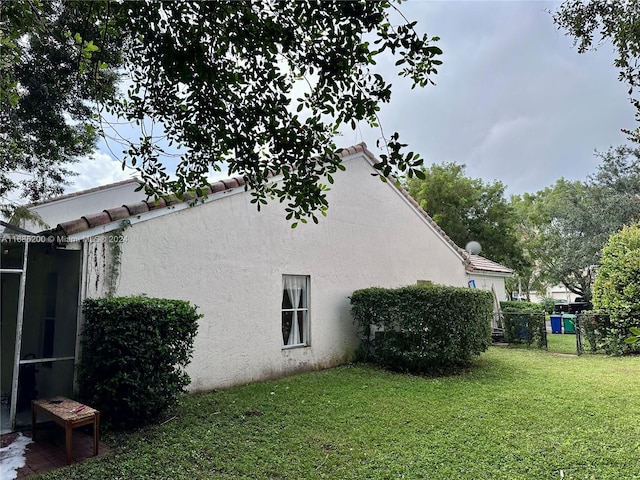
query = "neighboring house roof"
x=60 y=209
x=123 y=212
x=84 y=192
x=480 y=265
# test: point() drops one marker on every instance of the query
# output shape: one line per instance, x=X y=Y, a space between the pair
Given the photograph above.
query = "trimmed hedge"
x=616 y=291
x=426 y=328
x=134 y=351
x=524 y=322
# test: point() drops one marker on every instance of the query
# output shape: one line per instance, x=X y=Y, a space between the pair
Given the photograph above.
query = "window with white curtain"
x=295 y=310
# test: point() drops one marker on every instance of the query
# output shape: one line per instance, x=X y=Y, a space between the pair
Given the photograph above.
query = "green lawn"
x=519 y=414
x=562 y=343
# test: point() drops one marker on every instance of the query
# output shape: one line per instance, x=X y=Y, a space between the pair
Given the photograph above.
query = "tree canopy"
x=221 y=79
x=469 y=209
x=46 y=116
x=566 y=225
x=594 y=22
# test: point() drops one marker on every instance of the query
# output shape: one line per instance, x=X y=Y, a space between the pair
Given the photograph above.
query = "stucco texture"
x=486 y=282
x=229 y=259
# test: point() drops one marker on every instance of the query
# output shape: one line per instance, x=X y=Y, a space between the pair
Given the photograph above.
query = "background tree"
x=469 y=209
x=612 y=21
x=49 y=80
x=219 y=78
x=528 y=278
x=570 y=222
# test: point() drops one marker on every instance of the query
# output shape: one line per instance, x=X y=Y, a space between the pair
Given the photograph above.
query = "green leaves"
x=217 y=77
x=617 y=289
x=135 y=350
x=565 y=226
x=55 y=69
x=636 y=335
x=615 y=22
x=425 y=329
x=467 y=208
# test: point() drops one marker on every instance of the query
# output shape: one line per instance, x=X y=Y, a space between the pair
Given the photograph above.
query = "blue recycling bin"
x=556 y=323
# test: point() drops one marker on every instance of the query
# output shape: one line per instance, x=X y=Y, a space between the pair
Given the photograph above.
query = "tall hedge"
x=424 y=329
x=134 y=351
x=616 y=289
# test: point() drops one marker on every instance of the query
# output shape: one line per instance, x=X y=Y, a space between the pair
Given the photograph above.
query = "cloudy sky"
x=514 y=101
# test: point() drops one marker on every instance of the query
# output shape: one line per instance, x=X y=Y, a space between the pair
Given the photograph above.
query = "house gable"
x=231 y=260
x=111 y=219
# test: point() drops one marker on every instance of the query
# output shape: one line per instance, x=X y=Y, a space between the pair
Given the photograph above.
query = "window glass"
x=295 y=310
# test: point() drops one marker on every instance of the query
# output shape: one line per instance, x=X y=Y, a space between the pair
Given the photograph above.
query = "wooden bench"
x=68 y=414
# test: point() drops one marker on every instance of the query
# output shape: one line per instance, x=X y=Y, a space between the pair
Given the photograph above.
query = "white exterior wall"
x=559 y=292
x=486 y=281
x=229 y=259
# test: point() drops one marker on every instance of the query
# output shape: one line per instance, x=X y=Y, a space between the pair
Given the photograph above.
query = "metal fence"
x=520 y=328
x=532 y=327
x=590 y=327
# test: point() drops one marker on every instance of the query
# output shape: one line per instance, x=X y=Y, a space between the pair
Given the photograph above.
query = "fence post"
x=578 y=334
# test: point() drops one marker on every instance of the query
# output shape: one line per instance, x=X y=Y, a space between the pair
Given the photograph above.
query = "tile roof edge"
x=97 y=219
x=79 y=193
x=141 y=207
x=133 y=209
x=491 y=266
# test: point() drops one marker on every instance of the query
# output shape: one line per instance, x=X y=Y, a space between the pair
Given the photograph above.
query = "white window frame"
x=302 y=308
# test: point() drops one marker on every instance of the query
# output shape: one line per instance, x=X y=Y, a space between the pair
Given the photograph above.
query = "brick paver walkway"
x=48 y=452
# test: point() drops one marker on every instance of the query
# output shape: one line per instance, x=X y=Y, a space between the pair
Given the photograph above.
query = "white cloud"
x=513 y=101
x=98 y=170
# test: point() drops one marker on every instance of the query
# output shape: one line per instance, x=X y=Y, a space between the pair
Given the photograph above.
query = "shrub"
x=523 y=322
x=548 y=304
x=595 y=328
x=423 y=329
x=616 y=289
x=134 y=351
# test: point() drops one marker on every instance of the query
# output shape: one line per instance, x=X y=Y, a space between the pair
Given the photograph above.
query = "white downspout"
x=82 y=294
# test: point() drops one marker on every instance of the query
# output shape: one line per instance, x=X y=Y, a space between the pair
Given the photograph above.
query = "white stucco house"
x=557 y=292
x=275 y=300
x=488 y=275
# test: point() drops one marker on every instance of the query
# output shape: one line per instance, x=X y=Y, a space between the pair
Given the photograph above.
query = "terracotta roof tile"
x=478 y=263
x=137 y=208
x=74 y=226
x=188 y=196
x=117 y=213
x=361 y=147
x=155 y=204
x=172 y=200
x=218 y=187
x=130 y=210
x=230 y=183
x=96 y=219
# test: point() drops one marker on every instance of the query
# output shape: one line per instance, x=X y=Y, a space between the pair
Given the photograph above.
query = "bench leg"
x=69 y=442
x=96 y=432
x=34 y=415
